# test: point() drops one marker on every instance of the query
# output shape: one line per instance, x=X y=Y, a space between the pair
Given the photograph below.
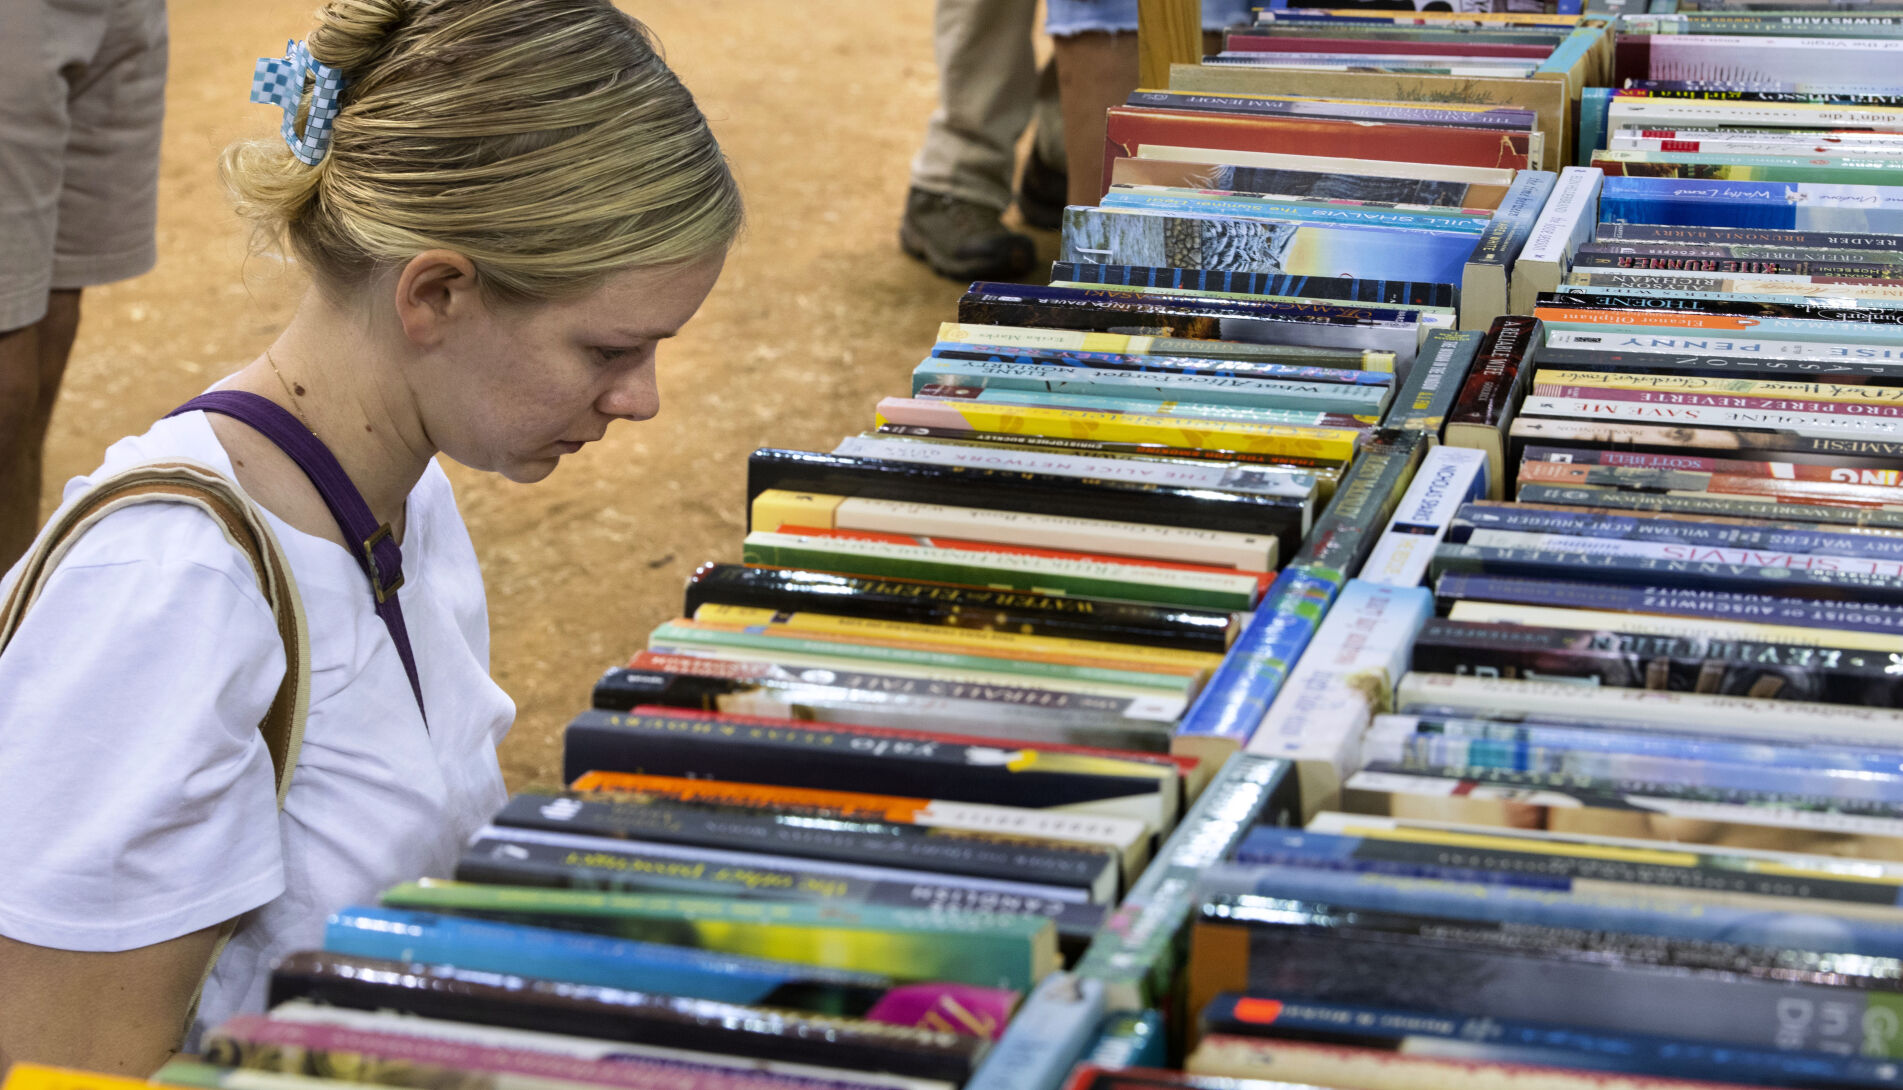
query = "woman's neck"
x=346 y=381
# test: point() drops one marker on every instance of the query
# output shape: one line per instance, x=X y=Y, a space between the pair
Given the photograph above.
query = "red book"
x=1129 y=128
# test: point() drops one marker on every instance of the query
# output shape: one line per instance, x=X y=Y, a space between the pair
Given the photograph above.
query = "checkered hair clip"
x=279 y=81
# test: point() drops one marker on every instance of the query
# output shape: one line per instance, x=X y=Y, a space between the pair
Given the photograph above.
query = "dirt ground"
x=820 y=106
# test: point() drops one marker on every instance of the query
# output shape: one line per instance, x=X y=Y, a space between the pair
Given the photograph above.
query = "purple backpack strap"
x=376 y=553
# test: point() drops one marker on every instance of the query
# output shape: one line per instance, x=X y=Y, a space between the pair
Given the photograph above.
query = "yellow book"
x=775 y=508
x=1716 y=386
x=1334 y=444
x=1648 y=624
x=26 y=1076
x=967 y=640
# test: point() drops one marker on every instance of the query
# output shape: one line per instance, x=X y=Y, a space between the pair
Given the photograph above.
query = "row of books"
x=1601 y=785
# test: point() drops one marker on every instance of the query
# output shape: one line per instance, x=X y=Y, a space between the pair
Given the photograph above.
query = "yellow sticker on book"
x=26 y=1076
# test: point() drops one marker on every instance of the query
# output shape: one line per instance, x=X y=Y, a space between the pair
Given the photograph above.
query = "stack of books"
x=1598 y=759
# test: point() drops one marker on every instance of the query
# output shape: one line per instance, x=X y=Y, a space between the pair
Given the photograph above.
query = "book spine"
x=1711 y=1006
x=620 y=1015
x=1436 y=379
x=1797 y=240
x=1592 y=257
x=1583 y=524
x=1206 y=389
x=1721 y=305
x=1633 y=911
x=1639 y=661
x=1349 y=526
x=1718 y=344
x=1816 y=425
x=260 y=1043
x=887 y=844
x=1237 y=696
x=1403 y=293
x=1848 y=470
x=1743 y=571
x=1485 y=278
x=1341 y=682
x=1871 y=372
x=1091 y=577
x=965 y=607
x=1673 y=600
x=1567 y=220
x=527 y=857
x=1449 y=477
x=1617 y=389
x=1163 y=305
x=1288 y=211
x=1182 y=409
x=1044 y=494
x=1154 y=363
x=1335 y=444
x=1515 y=1041
x=1492 y=394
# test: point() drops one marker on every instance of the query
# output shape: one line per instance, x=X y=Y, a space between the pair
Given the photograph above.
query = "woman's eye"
x=612 y=355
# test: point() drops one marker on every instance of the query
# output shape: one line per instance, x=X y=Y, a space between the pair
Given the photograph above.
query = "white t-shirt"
x=136 y=794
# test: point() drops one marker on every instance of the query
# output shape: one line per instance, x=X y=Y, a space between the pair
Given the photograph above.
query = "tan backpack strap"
x=243 y=525
x=246 y=528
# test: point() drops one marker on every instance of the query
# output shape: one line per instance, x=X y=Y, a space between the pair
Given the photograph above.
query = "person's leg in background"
x=81 y=103
x=1043 y=185
x=961 y=177
x=1094 y=43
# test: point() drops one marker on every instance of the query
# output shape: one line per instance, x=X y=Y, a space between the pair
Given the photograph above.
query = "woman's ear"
x=435 y=290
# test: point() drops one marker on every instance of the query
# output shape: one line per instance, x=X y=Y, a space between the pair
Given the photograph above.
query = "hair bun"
x=350 y=33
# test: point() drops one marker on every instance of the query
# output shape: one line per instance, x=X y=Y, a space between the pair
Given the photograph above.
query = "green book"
x=993 y=951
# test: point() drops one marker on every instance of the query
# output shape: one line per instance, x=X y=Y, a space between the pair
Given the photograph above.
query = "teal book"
x=990 y=951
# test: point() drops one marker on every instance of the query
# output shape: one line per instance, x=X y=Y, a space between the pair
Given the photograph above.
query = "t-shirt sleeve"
x=136 y=792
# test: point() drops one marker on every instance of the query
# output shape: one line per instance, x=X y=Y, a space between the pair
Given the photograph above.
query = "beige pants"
x=82 y=95
x=989 y=86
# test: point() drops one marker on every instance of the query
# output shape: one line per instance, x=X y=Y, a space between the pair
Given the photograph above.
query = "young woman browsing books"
x=503 y=206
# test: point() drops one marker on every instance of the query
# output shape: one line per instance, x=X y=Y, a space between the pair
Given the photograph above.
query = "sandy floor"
x=819 y=105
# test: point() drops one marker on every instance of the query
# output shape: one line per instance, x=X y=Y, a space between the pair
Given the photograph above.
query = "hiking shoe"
x=1042 y=193
x=962 y=240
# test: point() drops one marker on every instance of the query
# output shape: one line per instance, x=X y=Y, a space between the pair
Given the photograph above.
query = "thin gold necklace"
x=296 y=406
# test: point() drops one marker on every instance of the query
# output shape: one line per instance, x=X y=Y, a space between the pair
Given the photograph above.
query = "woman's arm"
x=121 y=1013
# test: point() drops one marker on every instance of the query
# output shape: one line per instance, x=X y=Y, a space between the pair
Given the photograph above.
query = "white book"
x=1344 y=678
x=1708 y=416
x=1380 y=168
x=1563 y=226
x=1691 y=713
x=1720 y=285
x=1216 y=476
x=1692 y=52
x=1752 y=347
x=1625 y=140
x=1646 y=624
x=1448 y=477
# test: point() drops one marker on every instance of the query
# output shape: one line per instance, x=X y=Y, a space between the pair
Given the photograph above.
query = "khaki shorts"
x=82 y=95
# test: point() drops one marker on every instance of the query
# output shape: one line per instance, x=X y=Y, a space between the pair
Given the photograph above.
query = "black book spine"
x=501 y=858
x=1591 y=257
x=1036 y=493
x=1817 y=311
x=1124 y=305
x=1715 y=575
x=1350 y=967
x=1358 y=515
x=1415 y=293
x=826 y=757
x=871 y=843
x=919 y=602
x=614 y=1014
x=1634 y=661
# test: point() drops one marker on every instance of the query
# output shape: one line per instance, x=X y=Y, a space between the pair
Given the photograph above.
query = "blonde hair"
x=545 y=140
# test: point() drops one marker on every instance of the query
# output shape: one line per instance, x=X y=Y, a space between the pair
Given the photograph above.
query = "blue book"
x=1314 y=397
x=1130 y=1039
x=1182 y=365
x=1049 y=1035
x=1515 y=518
x=583 y=958
x=1638 y=911
x=1785 y=206
x=1237 y=697
x=1402 y=293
